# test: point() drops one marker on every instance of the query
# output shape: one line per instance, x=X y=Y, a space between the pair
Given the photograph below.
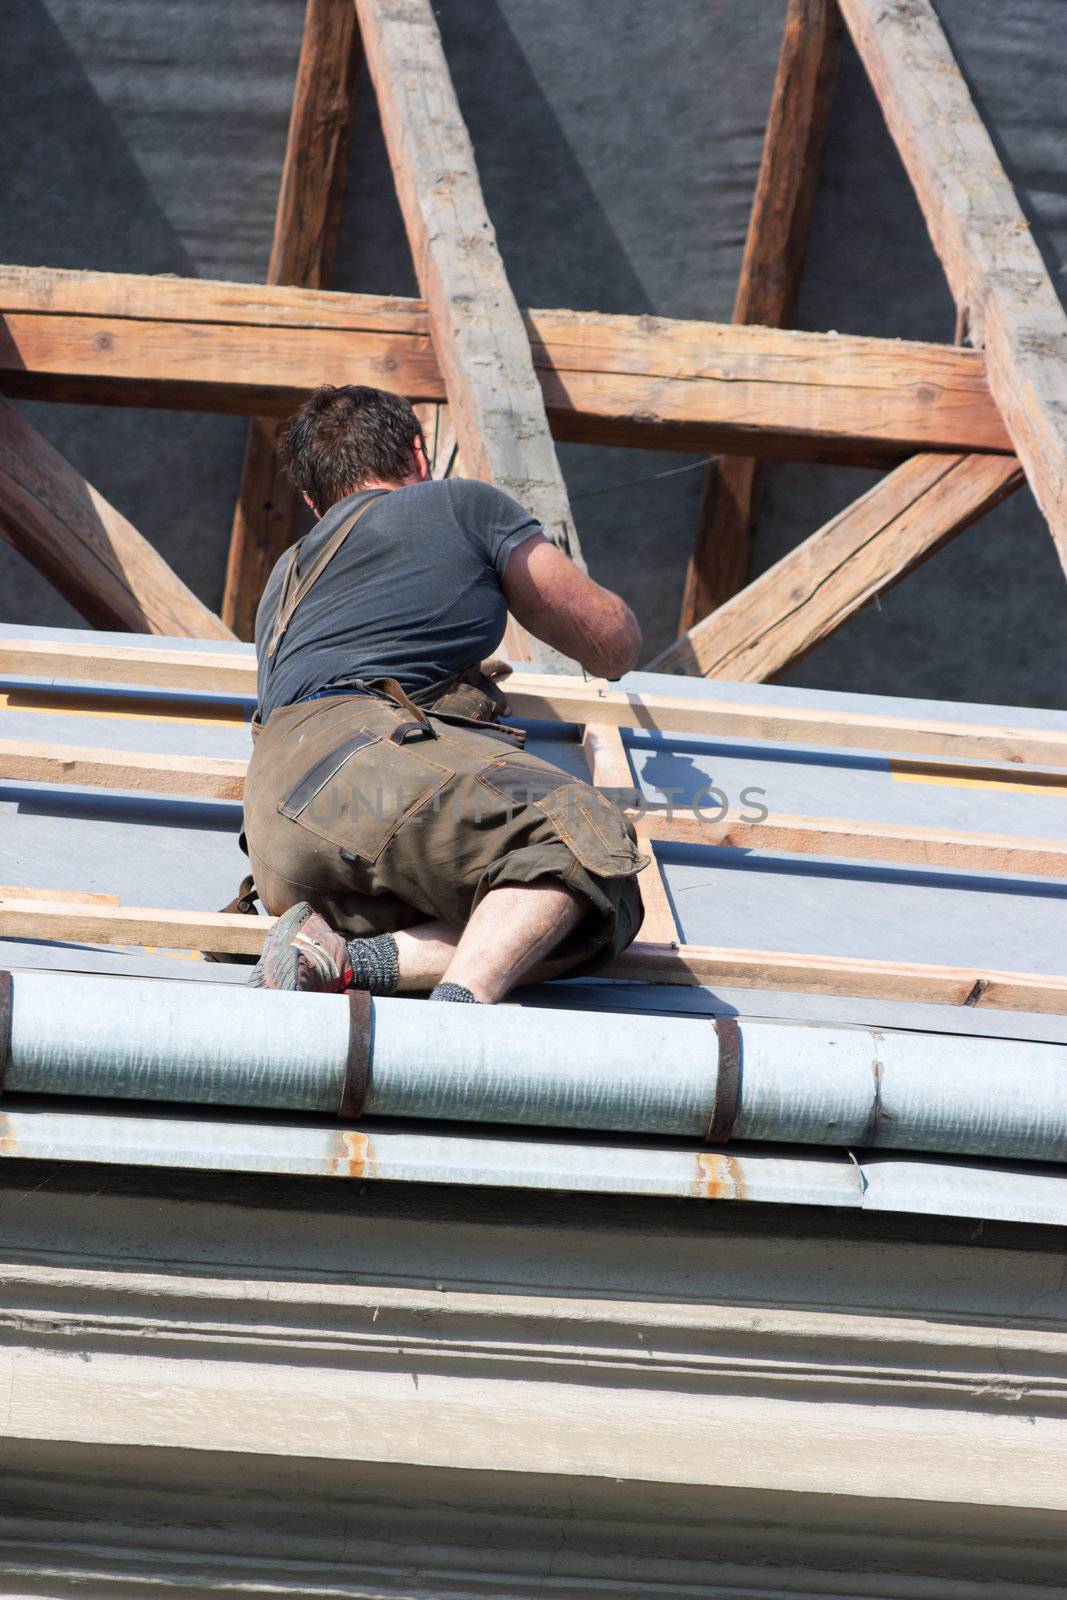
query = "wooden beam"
x=549 y=697
x=859 y=554
x=1002 y=290
x=218 y=778
x=84 y=547
x=305 y=236
x=108 y=338
x=770 y=278
x=24 y=917
x=495 y=401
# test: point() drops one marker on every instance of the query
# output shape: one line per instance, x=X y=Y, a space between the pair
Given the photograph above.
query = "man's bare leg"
x=423 y=953
x=508 y=940
x=510 y=933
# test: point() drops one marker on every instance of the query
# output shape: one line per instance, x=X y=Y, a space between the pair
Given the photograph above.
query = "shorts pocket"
x=357 y=795
x=593 y=830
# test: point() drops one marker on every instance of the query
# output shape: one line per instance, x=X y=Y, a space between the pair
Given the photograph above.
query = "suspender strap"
x=294 y=588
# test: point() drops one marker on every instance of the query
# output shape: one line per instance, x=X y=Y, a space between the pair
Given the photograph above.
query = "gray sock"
x=375 y=966
x=454 y=991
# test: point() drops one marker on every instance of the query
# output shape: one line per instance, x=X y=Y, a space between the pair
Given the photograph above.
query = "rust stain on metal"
x=351 y=1155
x=719 y=1177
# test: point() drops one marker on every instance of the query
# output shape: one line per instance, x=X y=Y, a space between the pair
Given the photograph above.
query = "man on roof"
x=396 y=827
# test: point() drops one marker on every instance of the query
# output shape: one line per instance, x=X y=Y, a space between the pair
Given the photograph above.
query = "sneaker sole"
x=280 y=961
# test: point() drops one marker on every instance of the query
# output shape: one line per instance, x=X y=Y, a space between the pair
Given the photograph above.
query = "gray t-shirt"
x=413 y=594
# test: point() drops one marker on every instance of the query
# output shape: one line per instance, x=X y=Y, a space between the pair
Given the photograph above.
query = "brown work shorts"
x=380 y=835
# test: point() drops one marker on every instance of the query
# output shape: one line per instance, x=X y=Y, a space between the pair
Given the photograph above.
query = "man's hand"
x=558 y=604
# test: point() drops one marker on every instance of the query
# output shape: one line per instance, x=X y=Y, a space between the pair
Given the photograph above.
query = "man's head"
x=346 y=439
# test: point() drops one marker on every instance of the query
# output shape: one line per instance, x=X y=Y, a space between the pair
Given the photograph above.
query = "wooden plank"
x=9 y=891
x=1006 y=299
x=609 y=765
x=532 y=695
x=305 y=236
x=859 y=554
x=553 y=698
x=840 y=975
x=218 y=778
x=29 y=918
x=203 y=777
x=84 y=547
x=76 y=922
x=659 y=924
x=611 y=773
x=902 y=845
x=109 y=338
x=496 y=404
x=770 y=278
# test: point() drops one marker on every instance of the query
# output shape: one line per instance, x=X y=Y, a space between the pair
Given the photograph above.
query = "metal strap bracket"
x=357 y=1064
x=727 y=1082
x=7 y=996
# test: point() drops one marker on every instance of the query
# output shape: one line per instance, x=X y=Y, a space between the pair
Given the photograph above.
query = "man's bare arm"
x=558 y=604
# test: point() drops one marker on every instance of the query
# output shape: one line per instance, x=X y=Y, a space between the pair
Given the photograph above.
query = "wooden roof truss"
x=512 y=380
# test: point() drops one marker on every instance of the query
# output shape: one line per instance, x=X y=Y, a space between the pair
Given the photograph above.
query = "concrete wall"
x=222 y=1385
x=618 y=144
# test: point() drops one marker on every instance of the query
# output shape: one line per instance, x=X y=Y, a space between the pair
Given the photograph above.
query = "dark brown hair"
x=341 y=438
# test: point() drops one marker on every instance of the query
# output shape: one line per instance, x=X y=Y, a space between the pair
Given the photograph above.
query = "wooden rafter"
x=305 y=235
x=84 y=547
x=1006 y=300
x=27 y=917
x=857 y=555
x=110 y=338
x=770 y=278
x=552 y=698
x=495 y=401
